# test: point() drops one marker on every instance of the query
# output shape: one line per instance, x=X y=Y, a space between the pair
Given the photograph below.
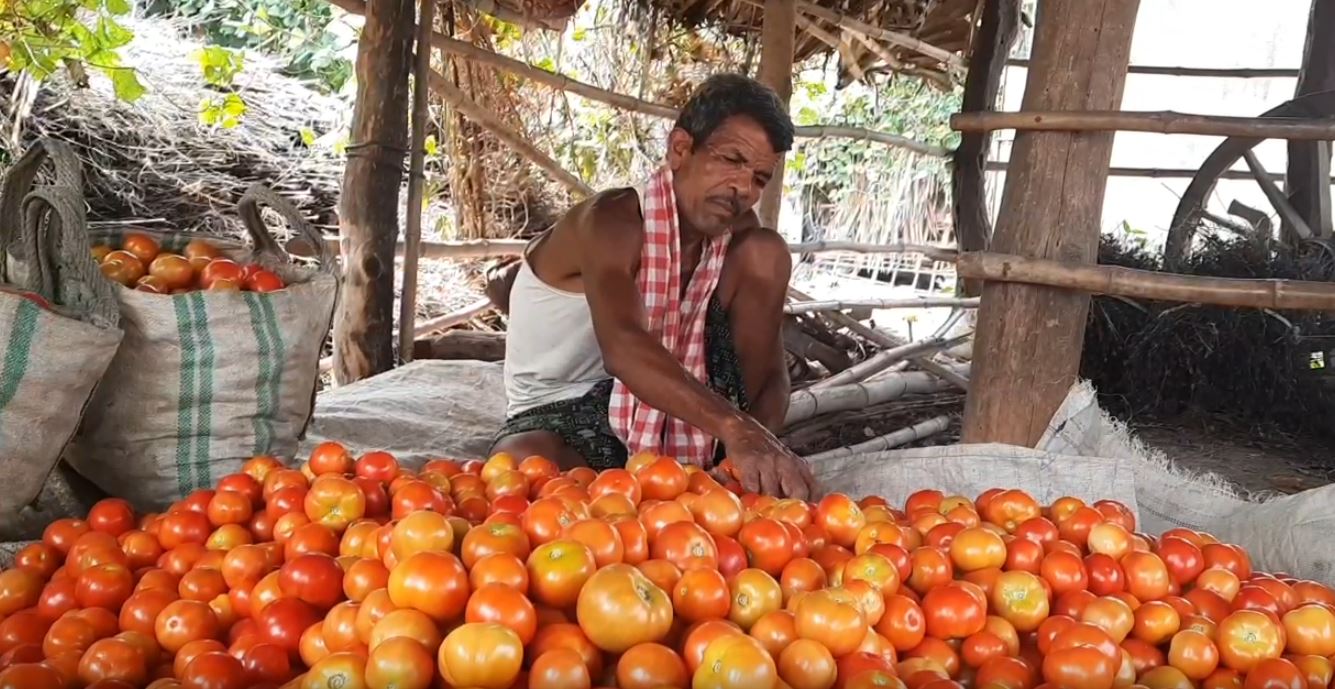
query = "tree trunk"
x=1308 y=183
x=987 y=61
x=1029 y=337
x=368 y=207
x=777 y=38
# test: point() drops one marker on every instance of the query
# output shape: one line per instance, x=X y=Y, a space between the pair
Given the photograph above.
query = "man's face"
x=719 y=181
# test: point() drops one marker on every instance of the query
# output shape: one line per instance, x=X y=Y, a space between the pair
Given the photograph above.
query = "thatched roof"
x=944 y=24
x=927 y=38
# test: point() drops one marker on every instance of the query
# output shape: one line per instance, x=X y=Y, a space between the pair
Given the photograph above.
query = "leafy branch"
x=39 y=37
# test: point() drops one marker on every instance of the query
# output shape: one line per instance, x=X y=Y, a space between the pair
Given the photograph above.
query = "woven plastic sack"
x=205 y=380
x=57 y=328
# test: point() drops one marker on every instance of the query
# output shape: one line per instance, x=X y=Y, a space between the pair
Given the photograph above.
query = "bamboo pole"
x=515 y=140
x=1237 y=73
x=416 y=179
x=810 y=403
x=491 y=248
x=1145 y=284
x=431 y=325
x=889 y=441
x=844 y=305
x=1164 y=122
x=883 y=340
x=886 y=358
x=1157 y=173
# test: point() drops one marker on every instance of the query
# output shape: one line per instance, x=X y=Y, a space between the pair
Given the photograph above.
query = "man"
x=649 y=319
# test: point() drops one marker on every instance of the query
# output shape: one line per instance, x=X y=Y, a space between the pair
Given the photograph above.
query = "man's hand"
x=763 y=465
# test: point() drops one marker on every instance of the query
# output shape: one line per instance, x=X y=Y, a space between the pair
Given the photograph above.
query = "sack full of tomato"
x=357 y=572
x=58 y=327
x=220 y=359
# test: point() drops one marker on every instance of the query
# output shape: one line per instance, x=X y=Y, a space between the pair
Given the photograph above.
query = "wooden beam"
x=1308 y=184
x=777 y=38
x=1277 y=199
x=513 y=139
x=1236 y=73
x=1145 y=284
x=416 y=179
x=997 y=30
x=369 y=203
x=475 y=345
x=1165 y=122
x=1029 y=338
x=1157 y=173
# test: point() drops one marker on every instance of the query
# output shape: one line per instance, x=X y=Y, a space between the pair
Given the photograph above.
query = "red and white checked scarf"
x=680 y=323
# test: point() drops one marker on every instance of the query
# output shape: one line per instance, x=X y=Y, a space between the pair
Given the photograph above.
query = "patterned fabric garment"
x=679 y=322
x=583 y=424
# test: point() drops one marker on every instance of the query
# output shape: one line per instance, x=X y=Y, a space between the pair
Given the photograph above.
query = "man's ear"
x=679 y=146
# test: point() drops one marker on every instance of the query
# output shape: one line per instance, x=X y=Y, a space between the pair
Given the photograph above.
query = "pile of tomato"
x=356 y=572
x=142 y=264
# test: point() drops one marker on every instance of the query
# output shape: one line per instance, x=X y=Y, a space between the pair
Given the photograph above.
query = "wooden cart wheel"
x=1191 y=207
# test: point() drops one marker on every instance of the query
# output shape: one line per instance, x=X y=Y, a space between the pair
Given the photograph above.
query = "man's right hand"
x=764 y=465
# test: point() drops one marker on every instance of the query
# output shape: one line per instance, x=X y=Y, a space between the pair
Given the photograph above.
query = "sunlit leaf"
x=118 y=7
x=308 y=136
x=126 y=84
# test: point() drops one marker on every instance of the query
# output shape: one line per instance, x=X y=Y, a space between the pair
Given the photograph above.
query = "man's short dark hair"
x=727 y=95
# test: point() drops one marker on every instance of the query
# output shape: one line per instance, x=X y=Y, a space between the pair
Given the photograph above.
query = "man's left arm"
x=756 y=316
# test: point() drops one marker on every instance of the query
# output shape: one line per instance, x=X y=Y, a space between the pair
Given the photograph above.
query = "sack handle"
x=249 y=210
x=14 y=191
x=54 y=229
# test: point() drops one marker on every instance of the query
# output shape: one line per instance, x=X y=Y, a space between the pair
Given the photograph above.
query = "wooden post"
x=412 y=238
x=1309 y=162
x=369 y=204
x=987 y=61
x=1029 y=337
x=777 y=37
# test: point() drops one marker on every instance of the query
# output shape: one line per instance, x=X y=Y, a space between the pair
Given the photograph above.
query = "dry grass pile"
x=153 y=162
x=1153 y=360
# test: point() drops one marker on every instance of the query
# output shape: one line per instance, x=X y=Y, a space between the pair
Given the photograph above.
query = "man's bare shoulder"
x=760 y=251
x=612 y=209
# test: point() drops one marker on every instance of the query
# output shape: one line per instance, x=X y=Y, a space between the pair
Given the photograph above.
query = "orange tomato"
x=735 y=662
x=1020 y=598
x=434 y=583
x=754 y=594
x=650 y=666
x=838 y=624
x=1246 y=637
x=558 y=571
x=1194 y=654
x=481 y=654
x=701 y=594
x=619 y=607
x=504 y=605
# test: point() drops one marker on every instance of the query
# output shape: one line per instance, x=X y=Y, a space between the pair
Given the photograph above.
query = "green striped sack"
x=49 y=365
x=204 y=381
x=51 y=357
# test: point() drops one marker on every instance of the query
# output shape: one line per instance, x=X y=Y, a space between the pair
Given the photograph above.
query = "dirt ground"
x=1253 y=459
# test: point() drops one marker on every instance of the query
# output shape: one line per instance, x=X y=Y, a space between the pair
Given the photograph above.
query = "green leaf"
x=546 y=63
x=220 y=65
x=111 y=34
x=432 y=148
x=579 y=35
x=308 y=136
x=126 y=83
x=118 y=7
